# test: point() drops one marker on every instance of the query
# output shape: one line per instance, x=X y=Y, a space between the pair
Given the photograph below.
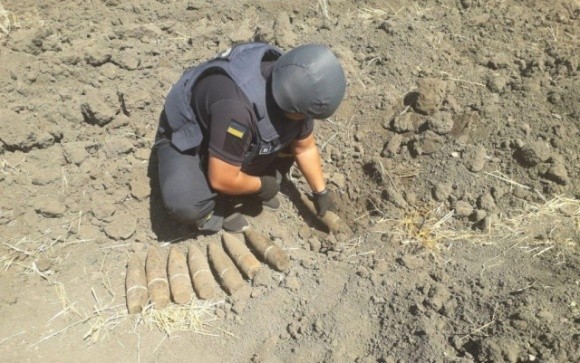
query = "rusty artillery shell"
x=241 y=255
x=201 y=277
x=268 y=251
x=136 y=285
x=229 y=275
x=157 y=278
x=179 y=280
x=330 y=219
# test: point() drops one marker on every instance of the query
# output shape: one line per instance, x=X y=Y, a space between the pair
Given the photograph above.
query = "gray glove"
x=323 y=202
x=269 y=188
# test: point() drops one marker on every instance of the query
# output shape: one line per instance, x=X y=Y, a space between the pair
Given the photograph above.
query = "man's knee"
x=188 y=211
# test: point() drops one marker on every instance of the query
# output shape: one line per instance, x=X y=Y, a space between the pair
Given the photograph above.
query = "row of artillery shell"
x=151 y=280
x=194 y=273
x=241 y=257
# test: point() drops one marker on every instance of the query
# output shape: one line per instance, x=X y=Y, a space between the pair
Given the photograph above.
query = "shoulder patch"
x=236 y=129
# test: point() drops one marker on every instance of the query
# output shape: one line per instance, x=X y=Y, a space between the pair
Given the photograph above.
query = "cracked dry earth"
x=454 y=158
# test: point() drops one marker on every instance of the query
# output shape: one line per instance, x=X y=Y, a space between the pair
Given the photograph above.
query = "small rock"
x=410 y=197
x=428 y=143
x=381 y=267
x=25 y=132
x=100 y=106
x=304 y=232
x=121 y=227
x=394 y=197
x=479 y=215
x=486 y=202
x=314 y=244
x=263 y=277
x=43 y=264
x=143 y=154
x=256 y=293
x=118 y=146
x=420 y=123
x=410 y=262
x=109 y=70
x=220 y=313
x=496 y=350
x=336 y=154
x=442 y=191
x=441 y=123
x=417 y=309
x=496 y=83
x=558 y=174
x=392 y=146
x=292 y=283
x=103 y=211
x=431 y=94
x=533 y=153
x=98 y=54
x=339 y=180
x=368 y=359
x=140 y=189
x=475 y=158
x=362 y=272
x=45 y=176
x=403 y=123
x=127 y=59
x=388 y=117
x=463 y=209
x=49 y=207
x=545 y=315
x=438 y=295
x=75 y=152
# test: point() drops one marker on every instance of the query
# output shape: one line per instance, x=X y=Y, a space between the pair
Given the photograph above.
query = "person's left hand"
x=323 y=202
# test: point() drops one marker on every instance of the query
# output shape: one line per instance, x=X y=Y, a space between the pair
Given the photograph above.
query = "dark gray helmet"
x=308 y=79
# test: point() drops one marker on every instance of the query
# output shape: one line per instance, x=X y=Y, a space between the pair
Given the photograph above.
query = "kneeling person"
x=230 y=125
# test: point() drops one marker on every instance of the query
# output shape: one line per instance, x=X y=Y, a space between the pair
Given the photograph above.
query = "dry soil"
x=454 y=158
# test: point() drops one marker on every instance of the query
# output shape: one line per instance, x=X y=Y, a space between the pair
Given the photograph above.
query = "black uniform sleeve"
x=226 y=115
x=307 y=129
x=230 y=131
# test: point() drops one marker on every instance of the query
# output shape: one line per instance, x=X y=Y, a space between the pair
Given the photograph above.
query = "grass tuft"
x=194 y=317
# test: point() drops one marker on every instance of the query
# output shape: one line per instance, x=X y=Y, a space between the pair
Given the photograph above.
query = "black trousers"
x=185 y=189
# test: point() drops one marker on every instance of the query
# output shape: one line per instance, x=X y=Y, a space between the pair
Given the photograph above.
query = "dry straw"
x=323 y=6
x=558 y=212
x=432 y=228
x=195 y=317
x=9 y=20
x=370 y=14
x=6 y=20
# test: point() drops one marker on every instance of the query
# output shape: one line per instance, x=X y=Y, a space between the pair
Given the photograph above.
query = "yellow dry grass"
x=195 y=317
x=557 y=221
x=369 y=14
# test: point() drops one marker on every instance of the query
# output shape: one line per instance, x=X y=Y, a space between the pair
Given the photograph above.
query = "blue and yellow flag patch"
x=236 y=130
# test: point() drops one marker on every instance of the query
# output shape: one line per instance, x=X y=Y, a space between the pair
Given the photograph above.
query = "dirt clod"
x=431 y=94
x=442 y=191
x=533 y=153
x=463 y=209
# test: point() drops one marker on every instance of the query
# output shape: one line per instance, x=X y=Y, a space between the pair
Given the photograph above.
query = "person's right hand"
x=269 y=188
